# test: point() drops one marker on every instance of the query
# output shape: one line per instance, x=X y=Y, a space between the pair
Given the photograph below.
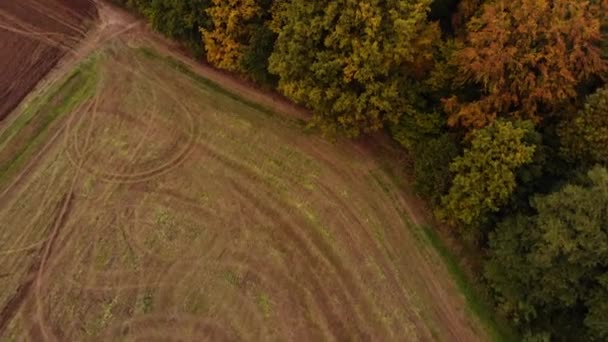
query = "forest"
x=502 y=104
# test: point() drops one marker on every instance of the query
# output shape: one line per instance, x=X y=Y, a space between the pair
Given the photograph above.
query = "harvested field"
x=141 y=201
x=34 y=35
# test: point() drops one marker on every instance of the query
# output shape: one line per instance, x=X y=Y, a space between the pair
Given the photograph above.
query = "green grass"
x=60 y=99
x=211 y=85
x=147 y=302
x=264 y=304
x=478 y=306
x=232 y=279
x=497 y=330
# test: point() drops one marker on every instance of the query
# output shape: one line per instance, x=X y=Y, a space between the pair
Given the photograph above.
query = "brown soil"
x=34 y=35
x=14 y=303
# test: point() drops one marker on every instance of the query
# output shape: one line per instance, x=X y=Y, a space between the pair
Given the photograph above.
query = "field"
x=34 y=35
x=140 y=200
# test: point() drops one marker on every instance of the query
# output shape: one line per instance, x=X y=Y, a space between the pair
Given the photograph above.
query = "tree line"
x=502 y=103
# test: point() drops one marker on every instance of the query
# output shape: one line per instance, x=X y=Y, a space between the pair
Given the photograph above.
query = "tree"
x=466 y=9
x=528 y=56
x=485 y=176
x=555 y=264
x=178 y=19
x=432 y=166
x=584 y=137
x=601 y=6
x=508 y=269
x=598 y=309
x=257 y=53
x=226 y=42
x=353 y=62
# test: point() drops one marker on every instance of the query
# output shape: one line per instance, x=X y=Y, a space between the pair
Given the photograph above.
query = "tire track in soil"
x=447 y=312
x=387 y=216
x=181 y=154
x=163 y=328
x=346 y=279
x=270 y=278
x=172 y=301
x=29 y=227
x=379 y=256
x=279 y=284
x=32 y=276
x=351 y=292
x=61 y=21
x=48 y=39
x=137 y=237
x=81 y=162
x=309 y=273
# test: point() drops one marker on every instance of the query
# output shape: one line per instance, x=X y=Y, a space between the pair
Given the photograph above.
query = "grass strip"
x=497 y=330
x=19 y=141
x=211 y=85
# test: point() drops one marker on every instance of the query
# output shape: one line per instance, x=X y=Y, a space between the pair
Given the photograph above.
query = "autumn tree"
x=353 y=62
x=227 y=40
x=553 y=266
x=465 y=10
x=584 y=137
x=485 y=175
x=601 y=6
x=527 y=56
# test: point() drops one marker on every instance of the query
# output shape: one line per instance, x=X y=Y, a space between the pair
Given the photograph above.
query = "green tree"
x=432 y=166
x=508 y=268
x=177 y=19
x=554 y=266
x=584 y=137
x=485 y=176
x=260 y=46
x=597 y=304
x=257 y=54
x=353 y=62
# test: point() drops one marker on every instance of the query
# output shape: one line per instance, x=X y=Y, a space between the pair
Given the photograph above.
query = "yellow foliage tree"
x=226 y=42
x=355 y=63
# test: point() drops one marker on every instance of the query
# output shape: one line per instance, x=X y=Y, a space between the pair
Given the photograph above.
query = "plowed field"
x=34 y=35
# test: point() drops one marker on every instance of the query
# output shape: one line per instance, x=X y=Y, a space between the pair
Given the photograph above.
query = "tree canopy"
x=557 y=260
x=485 y=175
x=226 y=42
x=528 y=57
x=584 y=135
x=353 y=62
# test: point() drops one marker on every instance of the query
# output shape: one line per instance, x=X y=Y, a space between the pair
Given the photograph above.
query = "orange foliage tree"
x=528 y=56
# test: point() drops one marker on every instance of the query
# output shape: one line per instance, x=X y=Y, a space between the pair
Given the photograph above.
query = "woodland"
x=502 y=104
